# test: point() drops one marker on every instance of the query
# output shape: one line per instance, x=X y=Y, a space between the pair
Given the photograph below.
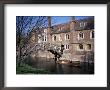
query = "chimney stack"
x=49 y=29
x=72 y=18
x=49 y=21
x=72 y=23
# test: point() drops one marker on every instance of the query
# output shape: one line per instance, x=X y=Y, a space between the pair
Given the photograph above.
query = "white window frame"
x=91 y=35
x=53 y=37
x=79 y=48
x=88 y=49
x=67 y=47
x=79 y=35
x=44 y=38
x=60 y=28
x=66 y=36
x=60 y=38
x=85 y=24
x=81 y=24
x=39 y=38
x=45 y=31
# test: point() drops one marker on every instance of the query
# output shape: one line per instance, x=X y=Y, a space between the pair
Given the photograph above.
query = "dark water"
x=49 y=64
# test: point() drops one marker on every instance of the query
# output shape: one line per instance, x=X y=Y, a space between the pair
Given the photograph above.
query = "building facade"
x=77 y=36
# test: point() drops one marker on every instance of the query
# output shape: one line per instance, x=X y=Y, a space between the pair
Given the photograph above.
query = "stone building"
x=77 y=36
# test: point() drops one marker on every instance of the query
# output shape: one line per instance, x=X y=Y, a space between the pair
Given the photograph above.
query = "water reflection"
x=55 y=68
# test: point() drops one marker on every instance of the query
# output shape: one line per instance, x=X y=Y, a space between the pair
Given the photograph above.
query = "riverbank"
x=48 y=66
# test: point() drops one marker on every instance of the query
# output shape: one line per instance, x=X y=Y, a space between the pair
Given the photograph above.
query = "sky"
x=63 y=19
x=55 y=20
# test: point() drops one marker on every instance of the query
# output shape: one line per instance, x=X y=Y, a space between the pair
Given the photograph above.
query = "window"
x=80 y=46
x=39 y=38
x=88 y=47
x=66 y=47
x=45 y=30
x=44 y=38
x=80 y=35
x=60 y=28
x=67 y=37
x=60 y=38
x=62 y=47
x=92 y=34
x=54 y=38
x=82 y=24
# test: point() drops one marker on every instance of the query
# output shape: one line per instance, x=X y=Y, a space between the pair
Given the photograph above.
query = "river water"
x=55 y=68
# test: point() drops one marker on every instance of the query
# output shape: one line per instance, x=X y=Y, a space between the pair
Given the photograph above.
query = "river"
x=55 y=68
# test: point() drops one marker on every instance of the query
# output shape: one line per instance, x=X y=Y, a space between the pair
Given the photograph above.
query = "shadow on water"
x=55 y=68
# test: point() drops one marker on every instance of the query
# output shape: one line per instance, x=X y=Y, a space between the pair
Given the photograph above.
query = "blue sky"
x=55 y=19
x=64 y=19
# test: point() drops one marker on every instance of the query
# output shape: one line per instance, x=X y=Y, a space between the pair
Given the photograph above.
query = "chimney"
x=72 y=18
x=49 y=21
x=72 y=23
x=49 y=29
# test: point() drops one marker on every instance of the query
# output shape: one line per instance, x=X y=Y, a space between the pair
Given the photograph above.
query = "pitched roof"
x=61 y=28
x=85 y=24
x=82 y=24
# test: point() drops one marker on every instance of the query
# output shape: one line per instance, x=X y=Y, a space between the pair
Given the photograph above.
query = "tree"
x=25 y=25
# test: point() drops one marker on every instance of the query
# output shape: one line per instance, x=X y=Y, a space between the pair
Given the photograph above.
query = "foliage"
x=26 y=69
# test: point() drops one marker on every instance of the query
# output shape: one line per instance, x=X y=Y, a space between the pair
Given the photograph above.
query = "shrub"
x=26 y=69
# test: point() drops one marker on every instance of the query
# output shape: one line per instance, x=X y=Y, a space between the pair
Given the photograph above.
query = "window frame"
x=79 y=35
x=67 y=47
x=66 y=36
x=78 y=47
x=87 y=47
x=91 y=34
x=54 y=38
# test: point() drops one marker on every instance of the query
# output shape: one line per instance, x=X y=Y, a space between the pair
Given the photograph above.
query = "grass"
x=27 y=69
